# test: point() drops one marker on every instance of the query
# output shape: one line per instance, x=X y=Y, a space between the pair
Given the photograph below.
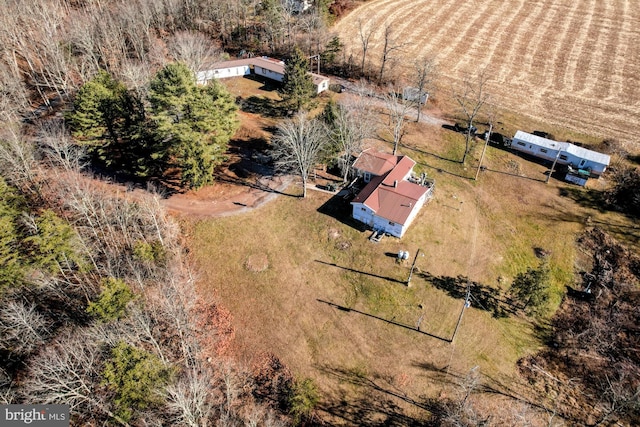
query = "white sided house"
x=589 y=163
x=392 y=197
x=270 y=68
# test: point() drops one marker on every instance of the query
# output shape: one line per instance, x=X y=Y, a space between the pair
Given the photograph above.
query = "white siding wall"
x=577 y=162
x=390 y=228
x=535 y=150
x=363 y=214
x=324 y=85
x=564 y=158
x=222 y=73
x=268 y=74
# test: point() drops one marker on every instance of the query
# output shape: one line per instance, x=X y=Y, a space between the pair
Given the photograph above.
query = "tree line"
x=177 y=126
x=99 y=309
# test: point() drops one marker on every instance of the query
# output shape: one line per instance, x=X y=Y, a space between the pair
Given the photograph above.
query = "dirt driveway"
x=227 y=197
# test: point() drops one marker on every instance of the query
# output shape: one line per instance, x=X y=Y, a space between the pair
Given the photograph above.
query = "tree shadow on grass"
x=265 y=106
x=339 y=208
x=377 y=405
x=377 y=276
x=584 y=197
x=630 y=232
x=482 y=297
x=508 y=387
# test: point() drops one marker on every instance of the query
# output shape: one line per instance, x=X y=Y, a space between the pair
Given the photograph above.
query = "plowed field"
x=570 y=63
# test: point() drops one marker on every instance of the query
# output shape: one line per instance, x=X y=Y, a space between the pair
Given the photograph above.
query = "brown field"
x=277 y=268
x=566 y=63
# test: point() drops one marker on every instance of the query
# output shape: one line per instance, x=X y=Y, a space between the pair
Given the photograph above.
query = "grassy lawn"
x=335 y=307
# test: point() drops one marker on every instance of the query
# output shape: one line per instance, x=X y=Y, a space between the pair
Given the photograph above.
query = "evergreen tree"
x=531 y=288
x=330 y=53
x=51 y=246
x=113 y=300
x=298 y=85
x=11 y=262
x=135 y=375
x=111 y=121
x=196 y=122
x=98 y=115
x=303 y=399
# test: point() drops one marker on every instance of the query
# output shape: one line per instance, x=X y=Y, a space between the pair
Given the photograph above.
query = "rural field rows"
x=570 y=63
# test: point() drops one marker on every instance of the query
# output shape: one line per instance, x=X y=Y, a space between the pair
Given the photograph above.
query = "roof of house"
x=540 y=141
x=585 y=153
x=567 y=147
x=271 y=64
x=389 y=195
x=375 y=162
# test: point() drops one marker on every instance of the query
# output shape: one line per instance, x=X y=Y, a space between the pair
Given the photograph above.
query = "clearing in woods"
x=568 y=63
x=304 y=283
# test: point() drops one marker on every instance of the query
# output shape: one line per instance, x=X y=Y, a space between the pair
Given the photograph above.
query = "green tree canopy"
x=135 y=375
x=111 y=121
x=303 y=399
x=298 y=85
x=531 y=288
x=196 y=122
x=11 y=262
x=188 y=126
x=113 y=300
x=32 y=242
x=52 y=246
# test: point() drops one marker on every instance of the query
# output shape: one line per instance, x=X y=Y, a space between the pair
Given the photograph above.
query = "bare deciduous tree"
x=64 y=373
x=351 y=125
x=471 y=97
x=58 y=148
x=424 y=73
x=397 y=110
x=190 y=399
x=17 y=159
x=390 y=46
x=22 y=328
x=194 y=49
x=297 y=146
x=365 y=35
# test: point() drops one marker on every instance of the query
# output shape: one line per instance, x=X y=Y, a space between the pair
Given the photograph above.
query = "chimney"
x=395 y=183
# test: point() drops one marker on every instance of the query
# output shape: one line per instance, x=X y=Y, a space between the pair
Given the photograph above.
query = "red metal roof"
x=390 y=196
x=375 y=162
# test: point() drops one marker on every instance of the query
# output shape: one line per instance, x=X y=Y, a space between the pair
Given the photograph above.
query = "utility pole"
x=317 y=58
x=486 y=142
x=412 y=267
x=553 y=166
x=467 y=304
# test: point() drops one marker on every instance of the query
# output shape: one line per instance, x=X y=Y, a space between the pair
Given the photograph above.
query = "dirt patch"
x=257 y=263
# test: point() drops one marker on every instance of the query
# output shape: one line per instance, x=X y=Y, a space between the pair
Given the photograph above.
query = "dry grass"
x=310 y=288
x=278 y=267
x=565 y=63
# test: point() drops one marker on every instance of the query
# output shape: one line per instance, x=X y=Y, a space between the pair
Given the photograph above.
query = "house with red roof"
x=392 y=196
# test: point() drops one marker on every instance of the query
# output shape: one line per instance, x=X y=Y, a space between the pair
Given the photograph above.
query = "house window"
x=264 y=71
x=392 y=223
x=363 y=209
x=563 y=157
x=543 y=150
x=367 y=177
x=521 y=143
